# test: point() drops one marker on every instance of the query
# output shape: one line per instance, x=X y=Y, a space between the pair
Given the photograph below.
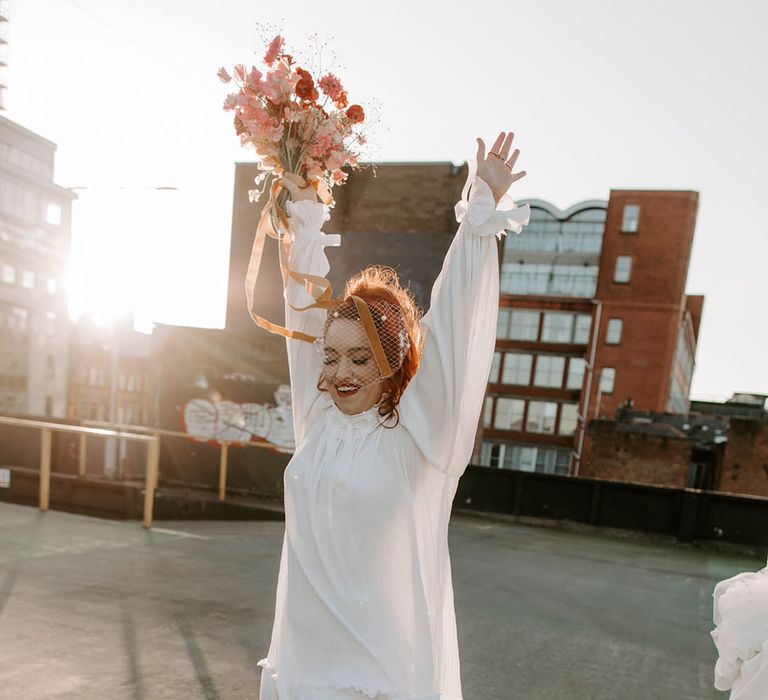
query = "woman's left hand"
x=497 y=168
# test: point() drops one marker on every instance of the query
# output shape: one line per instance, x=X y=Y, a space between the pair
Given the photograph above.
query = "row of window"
x=555 y=279
x=132 y=414
x=552 y=327
x=11 y=154
x=10 y=274
x=544 y=460
x=524 y=369
x=558 y=237
x=26 y=204
x=523 y=415
x=546 y=326
x=127 y=381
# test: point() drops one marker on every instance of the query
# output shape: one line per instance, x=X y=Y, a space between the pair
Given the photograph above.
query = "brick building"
x=593 y=315
x=717 y=446
x=101 y=356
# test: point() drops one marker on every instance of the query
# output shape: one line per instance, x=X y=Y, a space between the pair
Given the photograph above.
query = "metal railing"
x=161 y=432
x=46 y=441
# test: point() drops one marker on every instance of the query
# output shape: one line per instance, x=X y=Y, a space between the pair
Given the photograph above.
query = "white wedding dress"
x=741 y=635
x=364 y=604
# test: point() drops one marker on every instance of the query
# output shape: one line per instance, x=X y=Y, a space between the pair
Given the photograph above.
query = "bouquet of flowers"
x=293 y=126
x=302 y=129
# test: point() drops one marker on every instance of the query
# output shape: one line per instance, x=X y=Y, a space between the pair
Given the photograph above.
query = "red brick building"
x=717 y=446
x=593 y=315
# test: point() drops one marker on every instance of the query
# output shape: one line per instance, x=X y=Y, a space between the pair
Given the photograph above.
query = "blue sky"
x=601 y=95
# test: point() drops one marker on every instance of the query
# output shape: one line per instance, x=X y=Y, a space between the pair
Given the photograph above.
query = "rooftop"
x=93 y=608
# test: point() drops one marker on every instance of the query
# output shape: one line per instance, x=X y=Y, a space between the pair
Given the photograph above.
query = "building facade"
x=593 y=315
x=110 y=366
x=35 y=220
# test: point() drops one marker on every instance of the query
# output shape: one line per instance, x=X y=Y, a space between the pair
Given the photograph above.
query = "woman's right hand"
x=298 y=188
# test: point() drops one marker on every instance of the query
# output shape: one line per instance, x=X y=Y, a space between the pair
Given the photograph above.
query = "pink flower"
x=278 y=85
x=240 y=72
x=330 y=85
x=334 y=161
x=339 y=177
x=273 y=51
x=230 y=102
x=254 y=79
x=223 y=75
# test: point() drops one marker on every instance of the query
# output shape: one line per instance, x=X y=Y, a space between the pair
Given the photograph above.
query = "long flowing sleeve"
x=307 y=256
x=441 y=406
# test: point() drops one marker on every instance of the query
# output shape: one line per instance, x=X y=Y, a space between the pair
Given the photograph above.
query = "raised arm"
x=306 y=216
x=441 y=406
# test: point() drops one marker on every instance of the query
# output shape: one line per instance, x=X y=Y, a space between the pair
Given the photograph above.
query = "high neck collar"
x=367 y=418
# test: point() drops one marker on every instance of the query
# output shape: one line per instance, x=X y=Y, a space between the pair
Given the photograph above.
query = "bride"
x=385 y=408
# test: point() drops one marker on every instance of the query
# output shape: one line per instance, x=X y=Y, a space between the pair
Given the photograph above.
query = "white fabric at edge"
x=364 y=602
x=741 y=635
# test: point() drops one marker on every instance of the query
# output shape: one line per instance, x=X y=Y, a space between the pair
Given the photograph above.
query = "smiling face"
x=349 y=369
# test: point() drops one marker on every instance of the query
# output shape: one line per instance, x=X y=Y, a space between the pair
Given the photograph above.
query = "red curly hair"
x=381 y=284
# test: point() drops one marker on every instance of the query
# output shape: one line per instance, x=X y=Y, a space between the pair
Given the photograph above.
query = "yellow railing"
x=161 y=432
x=46 y=440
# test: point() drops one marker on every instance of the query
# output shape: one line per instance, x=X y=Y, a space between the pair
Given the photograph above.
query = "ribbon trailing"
x=318 y=287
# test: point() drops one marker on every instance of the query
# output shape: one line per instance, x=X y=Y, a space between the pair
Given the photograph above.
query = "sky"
x=601 y=94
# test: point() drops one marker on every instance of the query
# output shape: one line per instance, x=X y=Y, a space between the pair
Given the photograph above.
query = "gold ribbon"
x=318 y=287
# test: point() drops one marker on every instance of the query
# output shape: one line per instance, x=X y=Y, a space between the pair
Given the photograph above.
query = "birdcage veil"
x=363 y=342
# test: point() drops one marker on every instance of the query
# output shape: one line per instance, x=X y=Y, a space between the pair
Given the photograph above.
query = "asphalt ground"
x=93 y=608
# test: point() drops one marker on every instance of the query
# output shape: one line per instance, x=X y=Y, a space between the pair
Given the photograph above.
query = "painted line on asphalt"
x=179 y=533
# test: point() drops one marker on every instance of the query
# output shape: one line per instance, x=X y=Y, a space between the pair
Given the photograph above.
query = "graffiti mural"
x=233 y=423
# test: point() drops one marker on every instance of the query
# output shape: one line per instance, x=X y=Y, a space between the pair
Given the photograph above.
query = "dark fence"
x=686 y=514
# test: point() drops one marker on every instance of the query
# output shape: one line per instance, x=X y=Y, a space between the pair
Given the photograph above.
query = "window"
x=541 y=417
x=569 y=418
x=575 y=378
x=53 y=214
x=583 y=326
x=553 y=461
x=517 y=369
x=8 y=273
x=28 y=279
x=623 y=268
x=613 y=331
x=509 y=414
x=50 y=366
x=51 y=285
x=493 y=377
x=558 y=328
x=524 y=325
x=487 y=411
x=607 y=380
x=49 y=405
x=502 y=323
x=18 y=319
x=525 y=458
x=549 y=371
x=631 y=215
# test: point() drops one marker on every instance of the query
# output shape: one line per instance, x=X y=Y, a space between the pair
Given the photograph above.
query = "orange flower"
x=305 y=89
x=355 y=114
x=304 y=74
x=342 y=101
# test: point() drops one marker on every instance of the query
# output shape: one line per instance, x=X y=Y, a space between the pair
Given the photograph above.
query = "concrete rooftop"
x=93 y=608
